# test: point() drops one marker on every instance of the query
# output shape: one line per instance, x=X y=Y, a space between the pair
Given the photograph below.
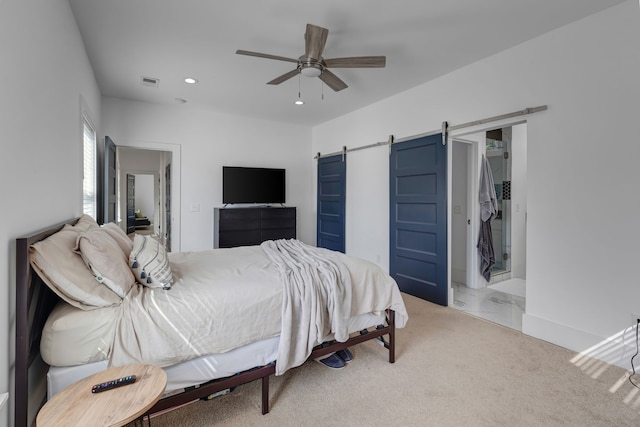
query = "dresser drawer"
x=252 y=226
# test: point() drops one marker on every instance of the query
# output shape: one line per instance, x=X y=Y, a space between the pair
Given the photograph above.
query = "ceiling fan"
x=312 y=63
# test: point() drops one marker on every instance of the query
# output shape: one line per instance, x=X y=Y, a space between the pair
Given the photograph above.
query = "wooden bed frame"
x=35 y=301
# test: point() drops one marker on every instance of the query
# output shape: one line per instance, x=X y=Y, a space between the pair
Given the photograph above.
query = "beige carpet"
x=452 y=369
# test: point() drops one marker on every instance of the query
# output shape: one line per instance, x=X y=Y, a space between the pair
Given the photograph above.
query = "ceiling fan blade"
x=265 y=55
x=314 y=40
x=332 y=80
x=357 y=62
x=284 y=77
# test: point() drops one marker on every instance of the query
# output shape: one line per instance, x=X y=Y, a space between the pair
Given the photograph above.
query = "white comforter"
x=226 y=298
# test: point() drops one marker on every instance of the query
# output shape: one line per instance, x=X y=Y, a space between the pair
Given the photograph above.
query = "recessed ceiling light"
x=299 y=102
x=191 y=80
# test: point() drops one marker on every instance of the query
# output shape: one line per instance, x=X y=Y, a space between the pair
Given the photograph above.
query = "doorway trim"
x=176 y=161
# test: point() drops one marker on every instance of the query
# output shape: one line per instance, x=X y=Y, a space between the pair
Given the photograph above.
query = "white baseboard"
x=615 y=350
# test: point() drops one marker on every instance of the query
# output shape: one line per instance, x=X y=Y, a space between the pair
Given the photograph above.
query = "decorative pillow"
x=149 y=262
x=106 y=260
x=66 y=274
x=121 y=238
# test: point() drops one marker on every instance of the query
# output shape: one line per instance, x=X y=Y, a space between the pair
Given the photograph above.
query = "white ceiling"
x=422 y=39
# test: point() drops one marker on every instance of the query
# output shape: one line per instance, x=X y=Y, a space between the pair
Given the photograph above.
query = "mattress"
x=181 y=375
x=192 y=372
x=72 y=336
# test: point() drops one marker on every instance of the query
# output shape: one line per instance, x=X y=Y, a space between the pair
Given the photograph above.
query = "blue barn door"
x=332 y=178
x=418 y=218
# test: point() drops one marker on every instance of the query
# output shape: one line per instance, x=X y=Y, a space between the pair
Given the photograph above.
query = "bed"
x=250 y=311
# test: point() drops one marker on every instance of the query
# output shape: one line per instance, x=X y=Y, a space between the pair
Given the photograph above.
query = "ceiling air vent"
x=149 y=81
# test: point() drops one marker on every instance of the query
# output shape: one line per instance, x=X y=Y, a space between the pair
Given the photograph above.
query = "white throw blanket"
x=322 y=289
x=316 y=299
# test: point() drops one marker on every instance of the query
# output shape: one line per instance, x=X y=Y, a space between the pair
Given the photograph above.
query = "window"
x=89 y=184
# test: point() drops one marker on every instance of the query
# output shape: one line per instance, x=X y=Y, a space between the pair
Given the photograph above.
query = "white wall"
x=209 y=140
x=366 y=184
x=582 y=204
x=44 y=74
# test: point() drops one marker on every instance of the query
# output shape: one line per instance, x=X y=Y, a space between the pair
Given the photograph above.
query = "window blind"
x=89 y=169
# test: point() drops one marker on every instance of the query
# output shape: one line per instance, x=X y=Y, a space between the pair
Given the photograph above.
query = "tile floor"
x=495 y=306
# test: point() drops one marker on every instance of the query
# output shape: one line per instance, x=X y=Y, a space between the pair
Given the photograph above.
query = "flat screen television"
x=252 y=185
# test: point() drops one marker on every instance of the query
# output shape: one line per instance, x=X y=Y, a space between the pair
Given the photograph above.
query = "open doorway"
x=501 y=299
x=143 y=192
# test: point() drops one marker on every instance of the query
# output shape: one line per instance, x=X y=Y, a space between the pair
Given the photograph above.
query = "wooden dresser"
x=252 y=226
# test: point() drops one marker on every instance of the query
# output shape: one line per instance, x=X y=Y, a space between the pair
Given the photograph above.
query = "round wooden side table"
x=76 y=405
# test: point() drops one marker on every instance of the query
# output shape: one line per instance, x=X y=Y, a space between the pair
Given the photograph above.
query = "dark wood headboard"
x=34 y=302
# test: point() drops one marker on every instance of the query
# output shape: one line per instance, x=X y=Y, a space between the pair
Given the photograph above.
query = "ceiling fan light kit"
x=309 y=69
x=312 y=64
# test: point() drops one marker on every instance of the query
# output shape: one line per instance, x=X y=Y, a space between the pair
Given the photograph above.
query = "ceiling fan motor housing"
x=310 y=68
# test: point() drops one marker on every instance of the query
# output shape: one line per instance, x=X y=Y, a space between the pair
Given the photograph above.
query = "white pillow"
x=149 y=262
x=106 y=260
x=121 y=238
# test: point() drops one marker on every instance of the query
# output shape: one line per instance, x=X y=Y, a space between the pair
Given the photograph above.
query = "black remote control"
x=113 y=384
